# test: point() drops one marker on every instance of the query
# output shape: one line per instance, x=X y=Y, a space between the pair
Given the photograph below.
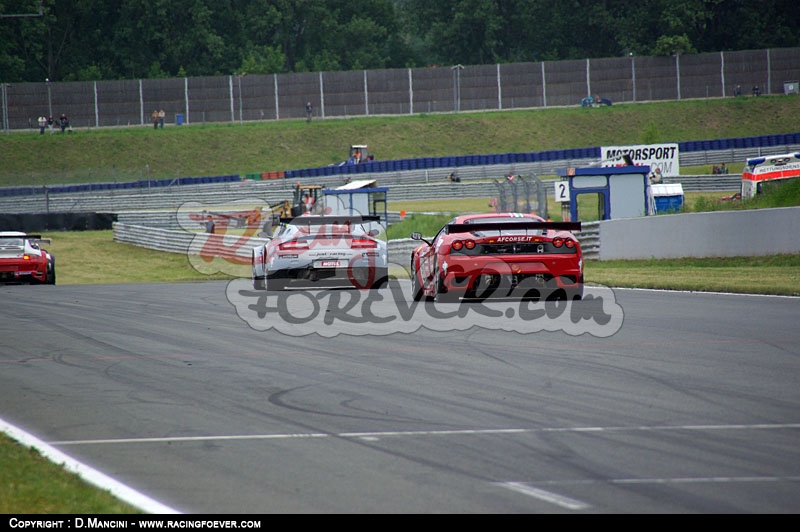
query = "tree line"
x=81 y=40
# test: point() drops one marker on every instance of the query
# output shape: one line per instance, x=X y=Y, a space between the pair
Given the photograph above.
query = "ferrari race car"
x=315 y=251
x=498 y=255
x=22 y=260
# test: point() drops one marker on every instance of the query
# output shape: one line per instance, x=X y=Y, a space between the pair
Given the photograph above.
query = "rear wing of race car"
x=37 y=239
x=329 y=220
x=512 y=226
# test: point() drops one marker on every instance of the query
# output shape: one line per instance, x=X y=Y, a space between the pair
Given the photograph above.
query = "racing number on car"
x=561 y=191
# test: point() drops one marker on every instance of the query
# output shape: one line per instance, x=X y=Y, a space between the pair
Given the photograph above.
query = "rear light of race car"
x=559 y=241
x=293 y=245
x=457 y=245
x=363 y=243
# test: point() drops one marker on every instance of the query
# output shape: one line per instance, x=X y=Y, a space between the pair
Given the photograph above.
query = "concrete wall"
x=711 y=234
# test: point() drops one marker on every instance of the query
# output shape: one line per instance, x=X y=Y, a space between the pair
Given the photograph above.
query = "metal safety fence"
x=240 y=98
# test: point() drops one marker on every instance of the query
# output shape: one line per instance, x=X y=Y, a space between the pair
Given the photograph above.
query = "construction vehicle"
x=359 y=153
x=306 y=198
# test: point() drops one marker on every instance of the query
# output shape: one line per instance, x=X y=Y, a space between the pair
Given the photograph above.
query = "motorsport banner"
x=664 y=157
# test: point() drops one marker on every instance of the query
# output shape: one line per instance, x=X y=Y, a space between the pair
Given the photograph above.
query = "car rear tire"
x=381 y=279
x=50 y=277
x=440 y=294
x=416 y=288
x=259 y=283
x=275 y=285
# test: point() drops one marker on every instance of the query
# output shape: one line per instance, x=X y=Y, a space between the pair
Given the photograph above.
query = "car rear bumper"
x=357 y=277
x=500 y=278
x=8 y=275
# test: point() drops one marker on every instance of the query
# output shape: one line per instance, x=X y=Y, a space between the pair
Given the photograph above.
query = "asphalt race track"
x=667 y=402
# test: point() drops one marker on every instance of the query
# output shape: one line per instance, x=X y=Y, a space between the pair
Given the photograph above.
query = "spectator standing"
x=50 y=123
x=309 y=111
x=210 y=225
x=154 y=118
x=42 y=124
x=161 y=116
x=64 y=123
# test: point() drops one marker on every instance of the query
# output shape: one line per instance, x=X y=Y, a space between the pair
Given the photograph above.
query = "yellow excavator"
x=306 y=199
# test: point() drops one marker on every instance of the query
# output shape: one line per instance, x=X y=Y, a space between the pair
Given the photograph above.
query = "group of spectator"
x=48 y=122
x=158 y=118
x=737 y=91
x=721 y=169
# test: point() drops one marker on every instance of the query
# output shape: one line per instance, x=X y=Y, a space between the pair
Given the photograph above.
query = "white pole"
x=230 y=97
x=588 y=79
x=499 y=90
x=186 y=96
x=544 y=87
x=96 y=108
x=141 y=104
x=366 y=95
x=321 y=98
x=275 y=83
x=410 y=92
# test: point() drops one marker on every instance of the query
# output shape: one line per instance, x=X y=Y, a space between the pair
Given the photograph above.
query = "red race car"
x=499 y=255
x=23 y=261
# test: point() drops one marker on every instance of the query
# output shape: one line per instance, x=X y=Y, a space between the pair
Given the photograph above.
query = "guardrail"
x=416 y=185
x=185 y=242
x=230 y=248
x=424 y=169
x=589 y=238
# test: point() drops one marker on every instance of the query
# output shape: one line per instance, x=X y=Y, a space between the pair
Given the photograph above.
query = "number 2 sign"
x=561 y=191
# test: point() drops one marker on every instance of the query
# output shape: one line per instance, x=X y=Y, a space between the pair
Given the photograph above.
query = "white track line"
x=90 y=475
x=546 y=496
x=149 y=505
x=374 y=436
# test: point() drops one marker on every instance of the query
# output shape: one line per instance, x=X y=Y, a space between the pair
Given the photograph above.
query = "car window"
x=509 y=221
x=10 y=242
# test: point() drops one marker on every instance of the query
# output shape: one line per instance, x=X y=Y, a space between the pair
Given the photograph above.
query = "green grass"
x=778 y=274
x=132 y=153
x=773 y=195
x=33 y=485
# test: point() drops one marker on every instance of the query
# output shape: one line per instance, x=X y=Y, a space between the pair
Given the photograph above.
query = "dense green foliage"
x=133 y=39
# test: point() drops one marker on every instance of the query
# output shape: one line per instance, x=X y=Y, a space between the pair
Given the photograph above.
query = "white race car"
x=315 y=251
x=22 y=260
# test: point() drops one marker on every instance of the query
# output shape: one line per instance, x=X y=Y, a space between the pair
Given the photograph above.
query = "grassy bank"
x=136 y=152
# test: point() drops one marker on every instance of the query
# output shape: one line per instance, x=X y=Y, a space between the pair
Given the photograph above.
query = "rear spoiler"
x=38 y=239
x=512 y=226
x=324 y=220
